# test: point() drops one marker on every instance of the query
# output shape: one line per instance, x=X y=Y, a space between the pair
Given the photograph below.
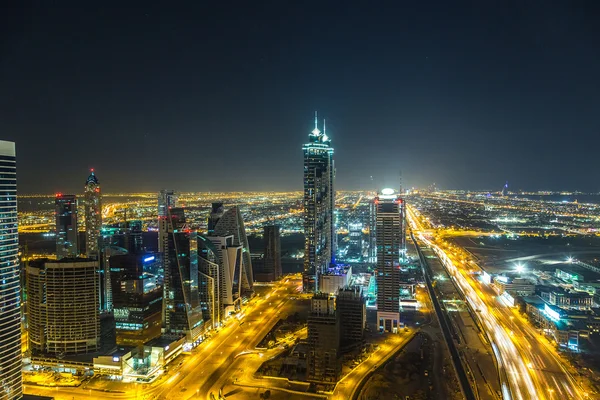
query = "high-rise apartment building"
x=93 y=215
x=270 y=266
x=183 y=312
x=319 y=206
x=323 y=358
x=351 y=307
x=67 y=235
x=137 y=299
x=232 y=223
x=389 y=211
x=10 y=294
x=63 y=306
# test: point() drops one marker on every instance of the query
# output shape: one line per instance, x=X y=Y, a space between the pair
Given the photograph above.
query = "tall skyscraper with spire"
x=93 y=215
x=11 y=384
x=319 y=206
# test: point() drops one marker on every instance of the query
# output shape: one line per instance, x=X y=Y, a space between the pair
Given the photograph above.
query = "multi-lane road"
x=529 y=366
x=211 y=360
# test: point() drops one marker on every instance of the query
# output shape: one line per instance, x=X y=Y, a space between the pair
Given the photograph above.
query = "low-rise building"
x=571 y=299
x=514 y=286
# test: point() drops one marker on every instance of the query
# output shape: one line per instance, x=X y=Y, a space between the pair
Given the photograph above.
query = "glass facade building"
x=10 y=297
x=137 y=298
x=183 y=311
x=232 y=223
x=66 y=226
x=319 y=206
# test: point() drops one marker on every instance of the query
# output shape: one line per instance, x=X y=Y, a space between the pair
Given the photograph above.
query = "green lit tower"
x=319 y=205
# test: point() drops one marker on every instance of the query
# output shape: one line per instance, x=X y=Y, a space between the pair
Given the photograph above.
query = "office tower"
x=351 y=307
x=10 y=294
x=323 y=359
x=211 y=275
x=166 y=199
x=216 y=212
x=136 y=298
x=220 y=268
x=269 y=268
x=505 y=189
x=355 y=243
x=93 y=215
x=319 y=205
x=66 y=226
x=114 y=240
x=372 y=233
x=390 y=242
x=183 y=313
x=232 y=223
x=63 y=306
x=133 y=239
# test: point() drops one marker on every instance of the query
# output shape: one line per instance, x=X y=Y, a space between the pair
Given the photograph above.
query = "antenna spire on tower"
x=316 y=131
x=324 y=127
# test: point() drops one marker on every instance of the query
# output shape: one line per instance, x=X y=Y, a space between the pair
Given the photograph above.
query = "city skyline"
x=447 y=94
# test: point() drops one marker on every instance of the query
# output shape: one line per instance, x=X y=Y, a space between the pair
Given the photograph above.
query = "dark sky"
x=221 y=96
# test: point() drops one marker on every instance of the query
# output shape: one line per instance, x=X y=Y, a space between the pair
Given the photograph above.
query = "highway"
x=456 y=359
x=529 y=366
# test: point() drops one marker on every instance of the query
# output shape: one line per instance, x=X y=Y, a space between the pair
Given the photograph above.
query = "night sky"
x=222 y=96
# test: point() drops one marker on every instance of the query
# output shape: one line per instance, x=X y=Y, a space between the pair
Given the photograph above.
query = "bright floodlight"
x=570 y=259
x=387 y=191
x=520 y=268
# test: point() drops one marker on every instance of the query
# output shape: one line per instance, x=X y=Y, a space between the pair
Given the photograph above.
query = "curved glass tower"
x=11 y=386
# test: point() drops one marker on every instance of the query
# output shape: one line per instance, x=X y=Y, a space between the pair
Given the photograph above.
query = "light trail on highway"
x=529 y=368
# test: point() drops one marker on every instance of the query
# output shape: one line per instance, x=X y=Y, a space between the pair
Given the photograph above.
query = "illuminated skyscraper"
x=220 y=268
x=66 y=226
x=319 y=206
x=137 y=299
x=93 y=215
x=63 y=306
x=389 y=210
x=183 y=312
x=11 y=386
x=232 y=223
x=166 y=199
